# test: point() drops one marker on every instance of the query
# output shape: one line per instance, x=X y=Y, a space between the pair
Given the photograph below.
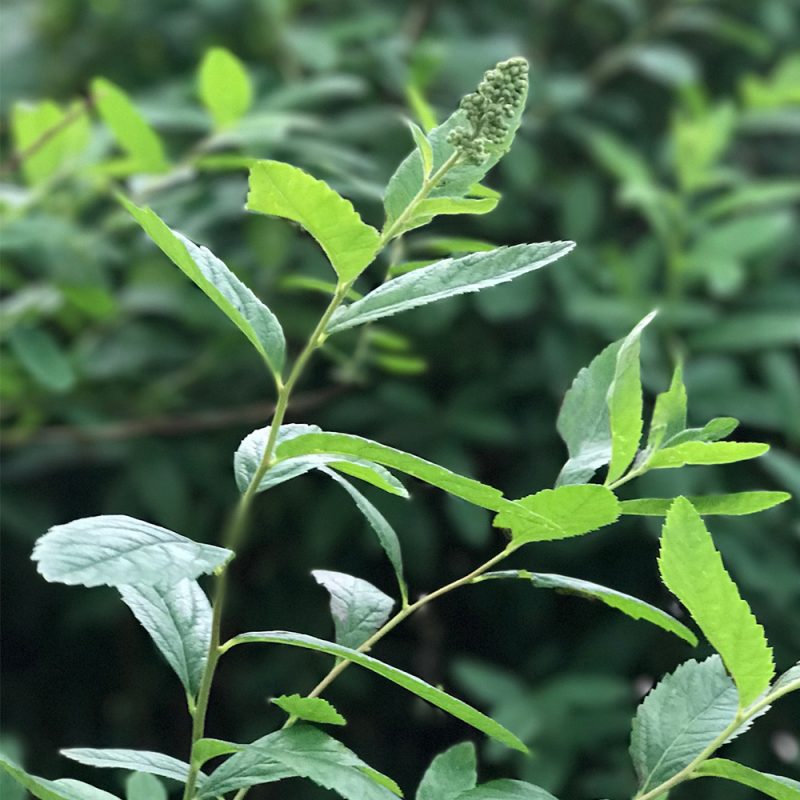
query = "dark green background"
x=144 y=345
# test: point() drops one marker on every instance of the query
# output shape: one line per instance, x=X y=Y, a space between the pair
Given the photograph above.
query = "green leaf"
x=311 y=709
x=447 y=278
x=706 y=453
x=714 y=430
x=583 y=421
x=346 y=444
x=141 y=786
x=771 y=785
x=558 y=513
x=669 y=413
x=42 y=357
x=693 y=571
x=300 y=751
x=431 y=694
x=178 y=618
x=788 y=682
x=749 y=331
x=507 y=790
x=358 y=608
x=135 y=760
x=734 y=504
x=625 y=403
x=450 y=774
x=681 y=716
x=206 y=749
x=383 y=530
x=426 y=210
x=115 y=550
x=632 y=606
x=44 y=789
x=142 y=145
x=224 y=86
x=286 y=191
x=221 y=286
x=423 y=146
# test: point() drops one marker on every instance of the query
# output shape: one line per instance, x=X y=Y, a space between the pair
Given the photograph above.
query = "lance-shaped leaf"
x=219 y=284
x=775 y=786
x=632 y=606
x=346 y=444
x=383 y=530
x=310 y=709
x=224 y=86
x=43 y=789
x=116 y=550
x=734 y=504
x=286 y=191
x=788 y=682
x=625 y=403
x=669 y=413
x=558 y=513
x=681 y=716
x=447 y=278
x=714 y=430
x=583 y=421
x=423 y=147
x=135 y=760
x=693 y=571
x=178 y=618
x=706 y=453
x=450 y=774
x=426 y=210
x=453 y=706
x=301 y=751
x=358 y=608
x=143 y=786
x=507 y=790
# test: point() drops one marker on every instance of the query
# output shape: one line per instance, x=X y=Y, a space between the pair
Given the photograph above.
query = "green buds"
x=490 y=110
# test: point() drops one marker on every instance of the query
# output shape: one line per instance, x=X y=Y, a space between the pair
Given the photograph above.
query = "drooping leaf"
x=224 y=86
x=625 y=403
x=365 y=449
x=42 y=357
x=447 y=278
x=693 y=571
x=301 y=751
x=706 y=453
x=286 y=191
x=358 y=608
x=115 y=550
x=506 y=790
x=223 y=288
x=774 y=786
x=142 y=786
x=134 y=760
x=681 y=716
x=43 y=789
x=141 y=144
x=632 y=606
x=714 y=430
x=734 y=504
x=788 y=682
x=178 y=618
x=431 y=694
x=310 y=709
x=450 y=774
x=583 y=421
x=383 y=530
x=558 y=513
x=669 y=413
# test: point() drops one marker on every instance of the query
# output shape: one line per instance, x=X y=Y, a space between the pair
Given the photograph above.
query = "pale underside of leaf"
x=134 y=760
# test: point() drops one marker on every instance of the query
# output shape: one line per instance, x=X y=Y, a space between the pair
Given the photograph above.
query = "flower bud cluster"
x=490 y=109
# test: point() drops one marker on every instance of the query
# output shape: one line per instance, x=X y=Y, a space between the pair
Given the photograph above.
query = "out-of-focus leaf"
x=224 y=86
x=42 y=357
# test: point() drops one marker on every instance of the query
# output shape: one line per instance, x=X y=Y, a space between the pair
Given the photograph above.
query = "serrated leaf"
x=583 y=421
x=42 y=357
x=365 y=449
x=358 y=608
x=300 y=751
x=447 y=278
x=669 y=413
x=142 y=786
x=450 y=774
x=625 y=403
x=206 y=749
x=706 y=453
x=774 y=786
x=693 y=571
x=712 y=431
x=286 y=191
x=43 y=789
x=224 y=86
x=558 y=513
x=219 y=284
x=142 y=145
x=178 y=618
x=310 y=709
x=453 y=706
x=115 y=550
x=734 y=504
x=134 y=760
x=507 y=790
x=679 y=718
x=383 y=530
x=632 y=606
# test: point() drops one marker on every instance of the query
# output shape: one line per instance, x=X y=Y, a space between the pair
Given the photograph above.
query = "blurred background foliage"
x=662 y=136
